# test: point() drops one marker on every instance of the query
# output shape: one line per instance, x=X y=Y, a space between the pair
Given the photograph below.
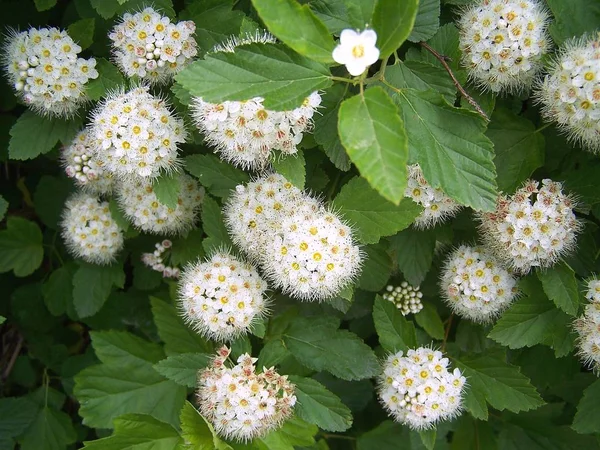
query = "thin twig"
x=443 y=59
x=13 y=357
x=448 y=326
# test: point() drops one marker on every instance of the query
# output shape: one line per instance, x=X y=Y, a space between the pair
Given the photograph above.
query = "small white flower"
x=418 y=390
x=240 y=403
x=356 y=51
x=593 y=292
x=222 y=297
x=89 y=231
x=587 y=327
x=405 y=297
x=157 y=260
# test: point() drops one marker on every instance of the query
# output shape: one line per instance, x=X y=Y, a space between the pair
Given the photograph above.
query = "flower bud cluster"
x=81 y=165
x=148 y=45
x=437 y=205
x=570 y=94
x=156 y=260
x=418 y=390
x=587 y=327
x=531 y=228
x=89 y=231
x=475 y=285
x=503 y=41
x=44 y=68
x=141 y=206
x=138 y=134
x=406 y=298
x=240 y=403
x=222 y=297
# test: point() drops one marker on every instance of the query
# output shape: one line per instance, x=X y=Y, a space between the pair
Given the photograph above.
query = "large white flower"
x=356 y=51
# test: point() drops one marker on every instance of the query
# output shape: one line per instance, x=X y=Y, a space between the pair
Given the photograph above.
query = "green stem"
x=543 y=127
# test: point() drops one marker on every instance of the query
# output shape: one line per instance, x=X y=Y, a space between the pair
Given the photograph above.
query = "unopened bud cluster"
x=406 y=297
x=418 y=390
x=503 y=41
x=587 y=327
x=156 y=260
x=240 y=403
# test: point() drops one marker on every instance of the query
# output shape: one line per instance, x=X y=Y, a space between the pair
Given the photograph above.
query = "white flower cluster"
x=531 y=228
x=142 y=208
x=570 y=94
x=138 y=134
x=356 y=51
x=303 y=249
x=81 y=165
x=89 y=231
x=437 y=205
x=503 y=41
x=587 y=327
x=418 y=390
x=222 y=297
x=475 y=285
x=43 y=66
x=156 y=260
x=406 y=298
x=240 y=403
x=593 y=292
x=245 y=133
x=148 y=45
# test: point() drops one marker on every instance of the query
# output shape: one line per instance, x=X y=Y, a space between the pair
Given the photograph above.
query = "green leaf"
x=138 y=432
x=428 y=438
x=121 y=347
x=325 y=131
x=319 y=406
x=118 y=215
x=212 y=221
x=297 y=27
x=376 y=269
x=573 y=18
x=20 y=247
x=338 y=15
x=318 y=344
x=3 y=207
x=442 y=136
x=587 y=419
x=518 y=146
x=413 y=250
x=393 y=21
x=387 y=435
x=109 y=79
x=427 y=21
x=491 y=379
x=82 y=32
x=44 y=5
x=197 y=431
x=49 y=199
x=166 y=187
x=48 y=132
x=58 y=289
x=215 y=175
x=292 y=167
x=16 y=414
x=430 y=320
x=283 y=78
x=187 y=249
x=105 y=8
x=421 y=76
x=582 y=181
x=374 y=137
x=93 y=284
x=183 y=368
x=394 y=331
x=560 y=285
x=370 y=215
x=50 y=430
x=294 y=432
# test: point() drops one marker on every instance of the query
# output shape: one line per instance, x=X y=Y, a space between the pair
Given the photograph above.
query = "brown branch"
x=443 y=59
x=13 y=357
x=447 y=332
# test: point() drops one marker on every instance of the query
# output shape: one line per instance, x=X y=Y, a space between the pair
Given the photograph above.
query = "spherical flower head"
x=405 y=297
x=418 y=390
x=593 y=292
x=44 y=68
x=222 y=297
x=80 y=164
x=240 y=403
x=532 y=228
x=587 y=327
x=502 y=43
x=148 y=45
x=474 y=284
x=138 y=134
x=89 y=231
x=570 y=93
x=313 y=256
x=356 y=51
x=141 y=206
x=437 y=206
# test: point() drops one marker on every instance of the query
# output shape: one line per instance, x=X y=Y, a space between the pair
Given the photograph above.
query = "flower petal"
x=348 y=36
x=369 y=37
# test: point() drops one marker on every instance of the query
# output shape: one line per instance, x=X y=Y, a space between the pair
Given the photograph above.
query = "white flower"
x=503 y=41
x=241 y=404
x=222 y=297
x=587 y=327
x=418 y=390
x=148 y=45
x=356 y=51
x=532 y=228
x=475 y=286
x=81 y=165
x=89 y=231
x=593 y=292
x=405 y=297
x=570 y=94
x=156 y=260
x=138 y=134
x=141 y=206
x=437 y=205
x=45 y=71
